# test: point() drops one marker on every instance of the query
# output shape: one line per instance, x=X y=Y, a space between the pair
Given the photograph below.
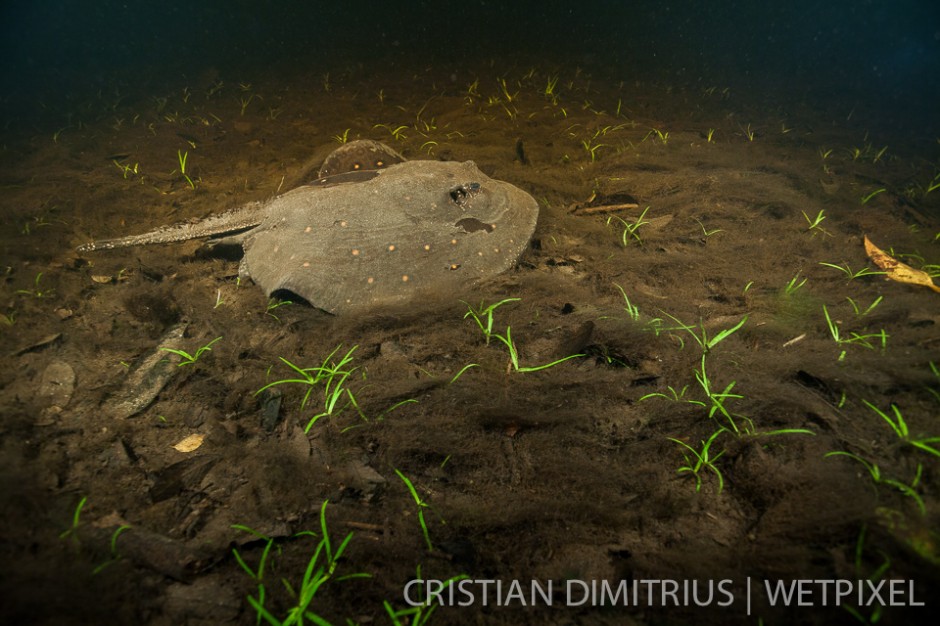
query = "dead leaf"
x=896 y=270
x=190 y=443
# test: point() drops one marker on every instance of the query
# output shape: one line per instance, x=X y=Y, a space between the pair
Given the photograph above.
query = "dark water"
x=888 y=51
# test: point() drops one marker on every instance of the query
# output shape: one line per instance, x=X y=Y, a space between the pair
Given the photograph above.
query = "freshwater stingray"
x=361 y=238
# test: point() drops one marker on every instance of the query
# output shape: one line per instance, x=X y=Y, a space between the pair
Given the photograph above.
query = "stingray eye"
x=461 y=194
x=379 y=163
x=356 y=166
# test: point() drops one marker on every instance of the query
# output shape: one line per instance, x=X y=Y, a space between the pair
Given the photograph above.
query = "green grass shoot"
x=854 y=337
x=72 y=531
x=514 y=355
x=421 y=506
x=483 y=316
x=858 y=309
x=878 y=478
x=696 y=461
x=630 y=229
x=852 y=275
x=632 y=310
x=317 y=573
x=183 y=157
x=866 y=198
x=331 y=376
x=37 y=291
x=189 y=359
x=814 y=223
x=420 y=615
x=701 y=337
x=794 y=285
x=899 y=426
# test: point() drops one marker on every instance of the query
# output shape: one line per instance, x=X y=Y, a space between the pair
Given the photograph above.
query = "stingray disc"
x=363 y=154
x=418 y=227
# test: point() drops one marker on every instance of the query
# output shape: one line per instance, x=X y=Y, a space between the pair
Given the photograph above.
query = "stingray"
x=376 y=230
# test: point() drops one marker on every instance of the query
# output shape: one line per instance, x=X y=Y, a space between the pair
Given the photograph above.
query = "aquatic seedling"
x=472 y=91
x=273 y=304
x=183 y=156
x=486 y=312
x=710 y=135
x=486 y=327
x=398 y=132
x=701 y=337
x=632 y=310
x=878 y=478
x=869 y=309
x=793 y=286
x=55 y=135
x=630 y=229
x=462 y=370
x=705 y=231
x=718 y=399
x=331 y=375
x=421 y=506
x=316 y=574
x=37 y=221
x=845 y=269
x=854 y=338
x=419 y=615
x=675 y=396
x=933 y=185
x=510 y=97
x=868 y=152
x=549 y=90
x=749 y=133
x=190 y=359
x=245 y=102
x=899 y=426
x=72 y=531
x=115 y=556
x=591 y=148
x=344 y=137
x=936 y=372
x=662 y=136
x=256 y=574
x=125 y=169
x=702 y=460
x=814 y=224
x=514 y=355
x=36 y=291
x=866 y=198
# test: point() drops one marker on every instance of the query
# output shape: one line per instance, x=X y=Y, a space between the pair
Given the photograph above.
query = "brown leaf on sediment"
x=897 y=271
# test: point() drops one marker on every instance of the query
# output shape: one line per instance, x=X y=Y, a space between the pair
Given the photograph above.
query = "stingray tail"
x=231 y=222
